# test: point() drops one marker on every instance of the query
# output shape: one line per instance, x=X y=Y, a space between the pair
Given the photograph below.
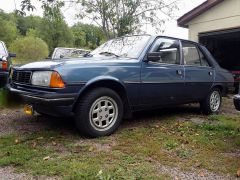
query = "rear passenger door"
x=199 y=75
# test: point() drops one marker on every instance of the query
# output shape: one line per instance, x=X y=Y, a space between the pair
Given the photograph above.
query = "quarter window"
x=204 y=61
x=168 y=49
x=193 y=56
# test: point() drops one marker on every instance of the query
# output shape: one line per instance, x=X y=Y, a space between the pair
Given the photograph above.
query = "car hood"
x=75 y=62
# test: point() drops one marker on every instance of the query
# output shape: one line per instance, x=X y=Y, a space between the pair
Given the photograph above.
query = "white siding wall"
x=225 y=15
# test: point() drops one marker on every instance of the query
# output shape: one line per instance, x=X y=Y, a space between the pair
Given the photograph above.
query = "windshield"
x=129 y=47
x=3 y=50
x=68 y=53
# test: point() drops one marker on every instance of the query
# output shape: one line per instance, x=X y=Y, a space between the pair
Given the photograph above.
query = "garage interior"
x=225 y=47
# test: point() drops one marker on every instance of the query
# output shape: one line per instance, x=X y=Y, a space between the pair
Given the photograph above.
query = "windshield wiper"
x=88 y=55
x=109 y=53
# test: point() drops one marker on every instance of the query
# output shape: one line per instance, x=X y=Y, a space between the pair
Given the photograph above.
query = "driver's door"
x=162 y=82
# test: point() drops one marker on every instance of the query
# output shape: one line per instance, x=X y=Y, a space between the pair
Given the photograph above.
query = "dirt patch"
x=178 y=174
x=14 y=121
x=7 y=173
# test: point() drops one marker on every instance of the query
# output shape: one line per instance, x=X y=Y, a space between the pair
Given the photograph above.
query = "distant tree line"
x=113 y=18
x=34 y=38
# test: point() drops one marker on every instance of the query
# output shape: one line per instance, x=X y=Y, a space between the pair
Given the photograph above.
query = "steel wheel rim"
x=103 y=113
x=215 y=101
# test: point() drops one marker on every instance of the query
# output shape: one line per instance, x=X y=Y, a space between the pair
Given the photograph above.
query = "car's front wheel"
x=99 y=112
x=212 y=103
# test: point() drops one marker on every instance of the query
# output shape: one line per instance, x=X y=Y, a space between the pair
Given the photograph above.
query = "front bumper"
x=236 y=100
x=51 y=103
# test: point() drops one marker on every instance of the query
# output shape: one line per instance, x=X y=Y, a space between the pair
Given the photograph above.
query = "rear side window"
x=203 y=59
x=169 y=50
x=190 y=53
x=193 y=56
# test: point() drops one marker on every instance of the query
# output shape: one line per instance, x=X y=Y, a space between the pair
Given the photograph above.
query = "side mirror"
x=12 y=55
x=154 y=56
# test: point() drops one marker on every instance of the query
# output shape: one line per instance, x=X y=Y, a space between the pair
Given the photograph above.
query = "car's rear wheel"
x=212 y=103
x=99 y=113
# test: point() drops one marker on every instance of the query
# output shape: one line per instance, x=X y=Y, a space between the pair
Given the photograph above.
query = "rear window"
x=3 y=51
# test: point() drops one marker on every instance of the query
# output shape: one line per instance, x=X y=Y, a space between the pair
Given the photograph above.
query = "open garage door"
x=225 y=47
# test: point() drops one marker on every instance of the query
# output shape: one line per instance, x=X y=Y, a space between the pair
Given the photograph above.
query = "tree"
x=8 y=30
x=54 y=29
x=120 y=17
x=87 y=35
x=24 y=23
x=29 y=49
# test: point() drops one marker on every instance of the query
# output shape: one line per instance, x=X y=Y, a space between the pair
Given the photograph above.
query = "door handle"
x=210 y=73
x=179 y=72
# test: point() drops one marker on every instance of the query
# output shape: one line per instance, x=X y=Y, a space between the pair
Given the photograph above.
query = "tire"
x=236 y=91
x=99 y=113
x=215 y=97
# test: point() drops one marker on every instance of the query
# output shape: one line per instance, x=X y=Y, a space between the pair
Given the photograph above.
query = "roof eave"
x=202 y=8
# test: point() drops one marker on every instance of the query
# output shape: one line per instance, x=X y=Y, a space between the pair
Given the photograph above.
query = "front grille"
x=22 y=77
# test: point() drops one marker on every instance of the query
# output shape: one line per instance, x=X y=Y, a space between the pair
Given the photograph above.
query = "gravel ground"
x=14 y=121
x=7 y=173
x=177 y=174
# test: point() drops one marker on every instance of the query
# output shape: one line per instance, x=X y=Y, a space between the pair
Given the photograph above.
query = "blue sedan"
x=123 y=75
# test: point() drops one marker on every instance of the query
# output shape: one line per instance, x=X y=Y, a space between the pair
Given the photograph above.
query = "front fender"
x=97 y=81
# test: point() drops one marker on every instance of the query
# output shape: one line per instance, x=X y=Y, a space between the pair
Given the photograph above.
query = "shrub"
x=29 y=49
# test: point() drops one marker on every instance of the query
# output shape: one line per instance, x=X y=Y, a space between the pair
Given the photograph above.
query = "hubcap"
x=215 y=101
x=103 y=113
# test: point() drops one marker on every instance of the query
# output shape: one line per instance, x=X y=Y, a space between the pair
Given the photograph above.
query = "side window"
x=168 y=49
x=204 y=61
x=191 y=55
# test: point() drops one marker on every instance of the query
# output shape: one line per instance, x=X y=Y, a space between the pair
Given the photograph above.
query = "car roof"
x=155 y=36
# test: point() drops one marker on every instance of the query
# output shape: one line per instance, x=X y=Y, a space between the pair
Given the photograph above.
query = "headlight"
x=47 y=79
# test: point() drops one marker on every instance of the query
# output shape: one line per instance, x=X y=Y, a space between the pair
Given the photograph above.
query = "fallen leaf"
x=201 y=174
x=176 y=178
x=99 y=173
x=238 y=173
x=46 y=158
x=54 y=143
x=34 y=144
x=39 y=138
x=90 y=149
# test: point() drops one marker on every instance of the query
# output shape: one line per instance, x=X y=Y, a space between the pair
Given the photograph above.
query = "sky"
x=69 y=12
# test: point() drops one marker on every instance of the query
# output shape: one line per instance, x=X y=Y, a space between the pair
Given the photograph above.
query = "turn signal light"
x=56 y=81
x=4 y=65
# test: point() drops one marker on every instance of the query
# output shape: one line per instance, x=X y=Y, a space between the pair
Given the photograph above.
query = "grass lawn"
x=186 y=140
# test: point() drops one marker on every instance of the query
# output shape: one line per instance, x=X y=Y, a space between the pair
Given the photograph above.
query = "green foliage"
x=56 y=34
x=54 y=29
x=29 y=22
x=8 y=30
x=121 y=17
x=29 y=49
x=86 y=35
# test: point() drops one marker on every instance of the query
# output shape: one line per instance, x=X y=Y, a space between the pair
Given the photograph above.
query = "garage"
x=225 y=47
x=216 y=24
